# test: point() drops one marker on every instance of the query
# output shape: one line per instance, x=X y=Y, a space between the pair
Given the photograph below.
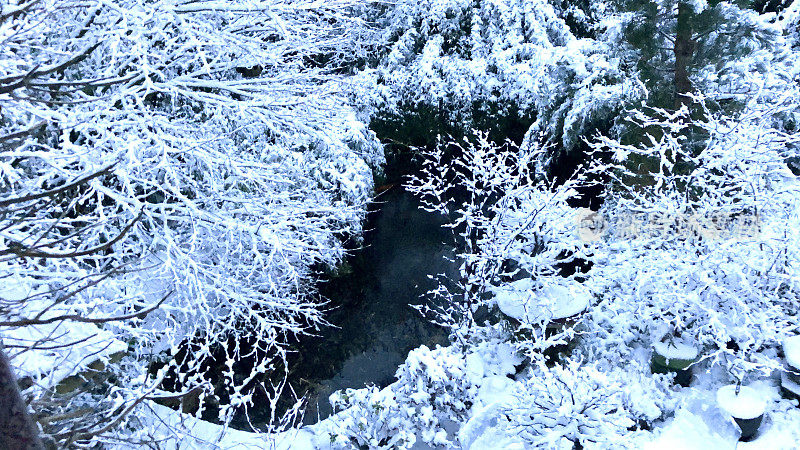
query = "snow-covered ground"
x=698 y=422
x=50 y=352
x=174 y=430
x=234 y=146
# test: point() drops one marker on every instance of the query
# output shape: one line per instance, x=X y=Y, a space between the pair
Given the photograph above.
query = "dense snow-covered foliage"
x=472 y=60
x=174 y=174
x=560 y=406
x=434 y=391
x=472 y=397
x=706 y=246
x=221 y=164
x=695 y=243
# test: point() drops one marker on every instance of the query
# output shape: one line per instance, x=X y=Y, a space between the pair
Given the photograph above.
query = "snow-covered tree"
x=218 y=161
x=518 y=69
x=706 y=252
x=686 y=46
x=701 y=199
x=516 y=234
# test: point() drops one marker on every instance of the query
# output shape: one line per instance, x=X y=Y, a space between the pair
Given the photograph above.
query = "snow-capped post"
x=671 y=355
x=745 y=405
x=790 y=377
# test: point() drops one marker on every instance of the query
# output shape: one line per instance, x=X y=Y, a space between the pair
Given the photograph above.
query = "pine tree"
x=685 y=46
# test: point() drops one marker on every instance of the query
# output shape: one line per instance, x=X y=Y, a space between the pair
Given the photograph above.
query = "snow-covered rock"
x=520 y=300
x=790 y=384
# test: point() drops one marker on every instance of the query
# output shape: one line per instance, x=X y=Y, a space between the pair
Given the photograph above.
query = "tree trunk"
x=17 y=430
x=684 y=53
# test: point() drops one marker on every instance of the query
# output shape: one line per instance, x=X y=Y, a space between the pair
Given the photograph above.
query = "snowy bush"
x=371 y=418
x=433 y=392
x=471 y=62
x=436 y=385
x=511 y=225
x=562 y=406
x=569 y=406
x=181 y=168
x=704 y=245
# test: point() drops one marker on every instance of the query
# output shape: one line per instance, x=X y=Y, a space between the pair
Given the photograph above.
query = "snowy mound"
x=747 y=405
x=59 y=349
x=791 y=347
x=521 y=301
x=673 y=350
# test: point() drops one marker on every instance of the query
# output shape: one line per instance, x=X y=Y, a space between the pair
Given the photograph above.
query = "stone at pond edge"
x=672 y=363
x=683 y=376
x=790 y=377
x=676 y=354
x=527 y=303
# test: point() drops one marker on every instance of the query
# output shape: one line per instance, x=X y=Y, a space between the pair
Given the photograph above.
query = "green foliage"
x=720 y=32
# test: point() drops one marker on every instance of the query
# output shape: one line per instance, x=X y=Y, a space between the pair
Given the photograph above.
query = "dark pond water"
x=375 y=325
